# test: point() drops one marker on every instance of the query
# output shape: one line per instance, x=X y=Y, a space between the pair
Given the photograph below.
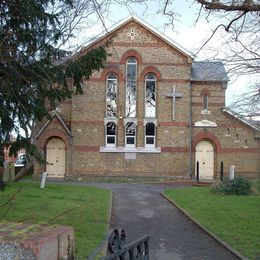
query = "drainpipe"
x=190 y=131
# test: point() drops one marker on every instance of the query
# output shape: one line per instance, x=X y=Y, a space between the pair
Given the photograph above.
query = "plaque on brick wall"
x=130 y=156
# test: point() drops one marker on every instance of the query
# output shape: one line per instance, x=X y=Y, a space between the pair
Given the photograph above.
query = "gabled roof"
x=142 y=23
x=54 y=114
x=250 y=123
x=208 y=71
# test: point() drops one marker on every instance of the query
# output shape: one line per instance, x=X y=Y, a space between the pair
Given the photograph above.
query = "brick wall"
x=84 y=115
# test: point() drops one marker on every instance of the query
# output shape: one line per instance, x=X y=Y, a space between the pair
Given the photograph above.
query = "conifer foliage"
x=31 y=35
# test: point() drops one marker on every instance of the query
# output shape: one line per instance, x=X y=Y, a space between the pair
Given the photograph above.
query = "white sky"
x=185 y=32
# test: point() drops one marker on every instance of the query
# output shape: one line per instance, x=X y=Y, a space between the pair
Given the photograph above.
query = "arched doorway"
x=205 y=156
x=55 y=157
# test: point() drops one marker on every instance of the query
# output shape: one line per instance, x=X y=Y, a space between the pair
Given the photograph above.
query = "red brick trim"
x=87 y=122
x=176 y=64
x=150 y=69
x=208 y=136
x=131 y=53
x=240 y=150
x=210 y=82
x=233 y=126
x=155 y=45
x=175 y=80
x=212 y=104
x=175 y=149
x=144 y=45
x=204 y=92
x=162 y=80
x=174 y=124
x=47 y=135
x=115 y=69
x=86 y=148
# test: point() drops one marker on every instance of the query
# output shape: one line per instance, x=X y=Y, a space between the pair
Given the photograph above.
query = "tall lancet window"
x=111 y=99
x=131 y=78
x=150 y=97
x=205 y=102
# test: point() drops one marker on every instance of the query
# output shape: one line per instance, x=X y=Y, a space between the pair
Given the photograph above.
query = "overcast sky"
x=187 y=32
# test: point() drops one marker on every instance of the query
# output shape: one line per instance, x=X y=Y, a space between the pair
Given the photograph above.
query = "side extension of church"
x=152 y=112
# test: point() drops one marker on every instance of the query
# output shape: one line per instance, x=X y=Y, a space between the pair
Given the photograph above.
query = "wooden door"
x=55 y=156
x=205 y=157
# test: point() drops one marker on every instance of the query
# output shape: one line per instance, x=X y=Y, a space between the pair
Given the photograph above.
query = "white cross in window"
x=132 y=34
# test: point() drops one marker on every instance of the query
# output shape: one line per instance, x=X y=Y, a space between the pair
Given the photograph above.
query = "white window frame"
x=205 y=102
x=205 y=105
x=126 y=84
x=107 y=136
x=150 y=136
x=130 y=136
x=107 y=81
x=155 y=83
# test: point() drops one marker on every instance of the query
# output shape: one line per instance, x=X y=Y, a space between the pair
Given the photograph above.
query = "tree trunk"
x=26 y=170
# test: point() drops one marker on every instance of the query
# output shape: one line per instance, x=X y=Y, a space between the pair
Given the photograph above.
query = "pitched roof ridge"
x=54 y=113
x=153 y=30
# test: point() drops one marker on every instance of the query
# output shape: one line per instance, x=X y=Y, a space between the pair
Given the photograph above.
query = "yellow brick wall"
x=85 y=117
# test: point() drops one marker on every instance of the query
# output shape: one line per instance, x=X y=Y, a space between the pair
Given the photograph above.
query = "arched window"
x=111 y=134
x=130 y=133
x=150 y=95
x=205 y=102
x=131 y=78
x=150 y=134
x=111 y=95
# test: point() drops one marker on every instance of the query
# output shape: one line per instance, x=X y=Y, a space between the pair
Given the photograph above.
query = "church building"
x=153 y=112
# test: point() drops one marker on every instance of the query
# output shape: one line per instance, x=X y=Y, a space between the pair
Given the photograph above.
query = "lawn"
x=86 y=209
x=235 y=219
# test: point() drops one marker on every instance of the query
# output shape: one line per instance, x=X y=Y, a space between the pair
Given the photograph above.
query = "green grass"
x=256 y=185
x=235 y=219
x=89 y=216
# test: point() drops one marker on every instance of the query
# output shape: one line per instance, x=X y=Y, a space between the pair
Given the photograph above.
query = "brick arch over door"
x=44 y=138
x=206 y=136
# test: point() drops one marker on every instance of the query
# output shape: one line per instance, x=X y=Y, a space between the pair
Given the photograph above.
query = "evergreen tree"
x=33 y=67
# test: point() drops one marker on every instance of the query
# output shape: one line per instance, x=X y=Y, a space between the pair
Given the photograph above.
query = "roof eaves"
x=165 y=37
x=54 y=113
x=121 y=23
x=236 y=115
x=210 y=80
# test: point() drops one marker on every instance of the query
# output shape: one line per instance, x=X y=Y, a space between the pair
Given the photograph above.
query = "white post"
x=44 y=176
x=232 y=172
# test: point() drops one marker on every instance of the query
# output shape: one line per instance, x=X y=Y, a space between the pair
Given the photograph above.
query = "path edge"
x=219 y=240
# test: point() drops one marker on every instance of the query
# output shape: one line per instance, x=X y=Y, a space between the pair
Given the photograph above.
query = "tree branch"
x=246 y=6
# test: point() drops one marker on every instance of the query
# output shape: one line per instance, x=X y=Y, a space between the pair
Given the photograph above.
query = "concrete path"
x=140 y=210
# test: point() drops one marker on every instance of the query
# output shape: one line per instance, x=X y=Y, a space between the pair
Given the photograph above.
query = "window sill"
x=205 y=112
x=107 y=149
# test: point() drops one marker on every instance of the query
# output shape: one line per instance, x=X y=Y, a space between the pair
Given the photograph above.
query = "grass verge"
x=86 y=209
x=234 y=219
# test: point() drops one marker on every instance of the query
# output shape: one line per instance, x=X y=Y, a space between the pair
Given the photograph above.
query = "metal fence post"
x=198 y=170
x=221 y=170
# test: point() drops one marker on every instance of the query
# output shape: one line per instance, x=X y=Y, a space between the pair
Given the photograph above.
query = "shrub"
x=237 y=186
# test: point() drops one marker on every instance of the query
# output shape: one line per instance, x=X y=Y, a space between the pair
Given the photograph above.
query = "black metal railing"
x=117 y=250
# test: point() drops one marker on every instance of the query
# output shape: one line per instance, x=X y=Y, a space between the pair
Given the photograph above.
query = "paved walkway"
x=140 y=210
